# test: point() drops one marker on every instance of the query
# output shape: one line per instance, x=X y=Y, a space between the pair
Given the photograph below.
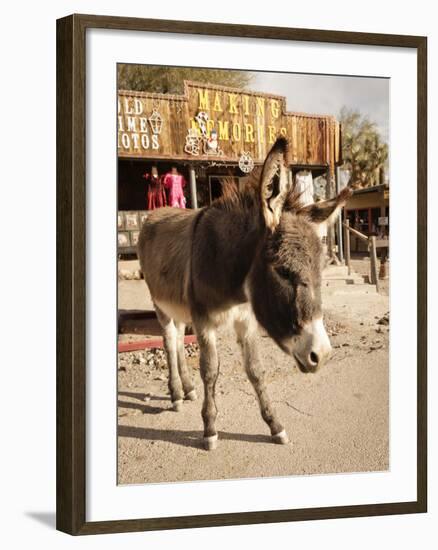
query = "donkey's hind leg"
x=246 y=330
x=189 y=388
x=170 y=346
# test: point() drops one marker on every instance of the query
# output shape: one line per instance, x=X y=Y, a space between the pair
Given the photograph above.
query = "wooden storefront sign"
x=218 y=123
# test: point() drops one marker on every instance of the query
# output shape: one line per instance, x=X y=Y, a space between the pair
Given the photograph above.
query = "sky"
x=323 y=94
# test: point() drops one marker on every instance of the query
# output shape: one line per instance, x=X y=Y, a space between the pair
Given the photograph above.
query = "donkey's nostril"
x=313 y=358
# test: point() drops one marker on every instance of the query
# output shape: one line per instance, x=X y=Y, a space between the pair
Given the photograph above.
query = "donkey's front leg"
x=170 y=346
x=209 y=366
x=246 y=329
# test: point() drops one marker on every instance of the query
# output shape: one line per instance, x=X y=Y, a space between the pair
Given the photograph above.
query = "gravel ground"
x=337 y=420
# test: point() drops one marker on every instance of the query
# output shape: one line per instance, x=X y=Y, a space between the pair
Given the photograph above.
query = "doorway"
x=216 y=184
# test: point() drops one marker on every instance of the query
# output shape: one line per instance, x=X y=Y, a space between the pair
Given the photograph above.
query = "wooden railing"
x=372 y=242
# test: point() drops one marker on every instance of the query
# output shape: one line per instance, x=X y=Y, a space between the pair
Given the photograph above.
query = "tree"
x=364 y=152
x=170 y=80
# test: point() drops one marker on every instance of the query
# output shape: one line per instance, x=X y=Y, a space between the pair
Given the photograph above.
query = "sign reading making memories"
x=215 y=122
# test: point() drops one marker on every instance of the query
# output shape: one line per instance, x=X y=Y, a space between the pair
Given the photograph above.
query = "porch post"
x=193 y=193
x=383 y=273
x=339 y=221
x=330 y=232
x=290 y=177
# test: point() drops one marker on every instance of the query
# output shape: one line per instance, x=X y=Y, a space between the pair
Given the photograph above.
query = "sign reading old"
x=218 y=123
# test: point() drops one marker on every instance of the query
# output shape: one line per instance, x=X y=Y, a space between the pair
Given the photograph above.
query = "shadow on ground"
x=186 y=438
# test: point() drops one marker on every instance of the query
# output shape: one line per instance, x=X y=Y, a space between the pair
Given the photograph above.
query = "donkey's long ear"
x=274 y=183
x=326 y=211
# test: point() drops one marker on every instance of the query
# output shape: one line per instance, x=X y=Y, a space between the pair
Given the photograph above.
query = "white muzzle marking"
x=313 y=347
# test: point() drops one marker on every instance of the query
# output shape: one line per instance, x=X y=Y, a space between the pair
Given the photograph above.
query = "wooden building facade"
x=368 y=212
x=210 y=132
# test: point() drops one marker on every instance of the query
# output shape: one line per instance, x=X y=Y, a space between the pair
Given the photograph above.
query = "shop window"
x=362 y=220
x=365 y=220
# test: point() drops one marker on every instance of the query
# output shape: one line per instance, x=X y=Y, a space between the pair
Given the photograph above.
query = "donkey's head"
x=285 y=281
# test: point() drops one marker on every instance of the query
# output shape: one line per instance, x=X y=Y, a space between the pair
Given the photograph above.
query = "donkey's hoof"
x=210 y=443
x=281 y=438
x=177 y=405
x=191 y=396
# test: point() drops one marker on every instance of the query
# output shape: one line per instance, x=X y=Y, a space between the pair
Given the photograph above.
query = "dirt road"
x=337 y=420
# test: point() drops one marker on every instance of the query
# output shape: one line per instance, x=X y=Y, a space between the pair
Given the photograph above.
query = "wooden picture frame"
x=71 y=274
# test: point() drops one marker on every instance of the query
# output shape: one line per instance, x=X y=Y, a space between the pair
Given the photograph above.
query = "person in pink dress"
x=174 y=183
x=156 y=195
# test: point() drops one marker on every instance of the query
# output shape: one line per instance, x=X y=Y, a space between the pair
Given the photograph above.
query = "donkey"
x=251 y=257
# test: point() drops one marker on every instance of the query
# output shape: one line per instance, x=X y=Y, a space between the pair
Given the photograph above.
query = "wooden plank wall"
x=245 y=121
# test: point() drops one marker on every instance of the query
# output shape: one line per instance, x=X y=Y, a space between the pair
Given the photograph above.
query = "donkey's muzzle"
x=312 y=364
x=313 y=347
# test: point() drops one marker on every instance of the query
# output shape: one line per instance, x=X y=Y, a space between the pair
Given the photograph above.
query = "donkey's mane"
x=234 y=199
